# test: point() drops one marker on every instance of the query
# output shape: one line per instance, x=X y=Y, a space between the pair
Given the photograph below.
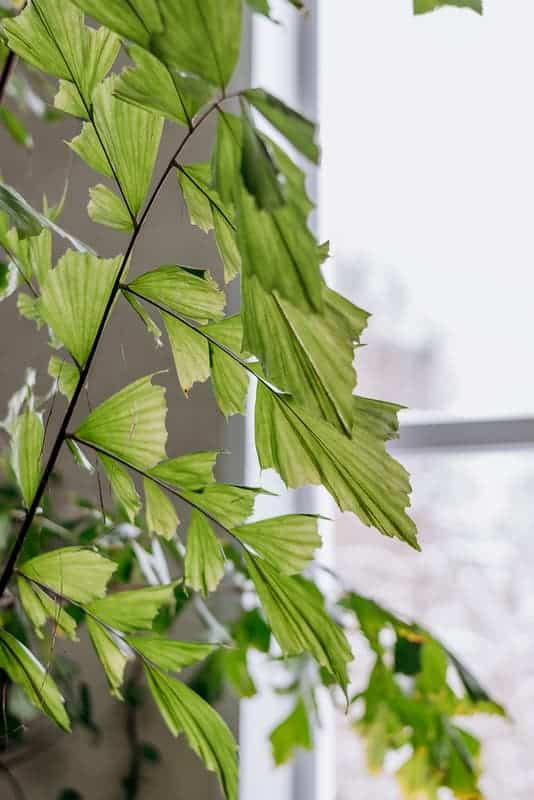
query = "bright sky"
x=427 y=126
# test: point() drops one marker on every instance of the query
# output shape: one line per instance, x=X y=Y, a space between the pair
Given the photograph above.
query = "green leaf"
x=287 y=543
x=33 y=254
x=52 y=37
x=25 y=671
x=28 y=307
x=66 y=375
x=190 y=352
x=134 y=610
x=359 y=473
x=116 y=151
x=145 y=317
x=433 y=677
x=69 y=101
x=130 y=424
x=39 y=607
x=154 y=87
x=192 y=471
x=111 y=656
x=29 y=222
x=297 y=350
x=161 y=518
x=15 y=128
x=76 y=573
x=170 y=654
x=207 y=211
x=292 y=733
x=260 y=174
x=230 y=379
x=79 y=456
x=230 y=505
x=297 y=129
x=261 y=6
x=122 y=487
x=9 y=278
x=106 y=208
x=423 y=6
x=281 y=251
x=372 y=618
x=74 y=298
x=26 y=450
x=295 y=611
x=137 y=20
x=202 y=37
x=183 y=290
x=204 y=559
x=226 y=158
x=185 y=712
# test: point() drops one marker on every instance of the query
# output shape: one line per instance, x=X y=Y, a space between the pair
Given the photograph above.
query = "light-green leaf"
x=107 y=208
x=170 y=654
x=230 y=379
x=122 y=486
x=190 y=352
x=134 y=610
x=161 y=517
x=193 y=471
x=26 y=449
x=66 y=375
x=183 y=290
x=296 y=128
x=423 y=6
x=260 y=174
x=39 y=608
x=230 y=505
x=137 y=20
x=74 y=298
x=292 y=733
x=130 y=424
x=204 y=559
x=358 y=472
x=287 y=543
x=153 y=86
x=127 y=144
x=25 y=671
x=52 y=36
x=111 y=656
x=185 y=712
x=73 y=572
x=33 y=254
x=295 y=611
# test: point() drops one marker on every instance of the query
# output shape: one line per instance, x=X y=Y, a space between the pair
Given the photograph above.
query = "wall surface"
x=128 y=352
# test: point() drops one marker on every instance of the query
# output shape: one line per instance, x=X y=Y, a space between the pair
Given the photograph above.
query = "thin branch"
x=7 y=69
x=9 y=566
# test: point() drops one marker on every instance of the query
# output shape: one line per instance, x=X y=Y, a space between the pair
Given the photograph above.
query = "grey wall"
x=127 y=352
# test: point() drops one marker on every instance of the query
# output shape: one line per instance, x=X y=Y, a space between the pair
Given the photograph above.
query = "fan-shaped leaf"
x=295 y=611
x=74 y=298
x=170 y=654
x=66 y=375
x=359 y=473
x=111 y=655
x=230 y=505
x=192 y=471
x=132 y=610
x=130 y=424
x=287 y=543
x=137 y=20
x=204 y=560
x=292 y=733
x=122 y=486
x=126 y=146
x=190 y=352
x=296 y=128
x=161 y=517
x=39 y=608
x=25 y=671
x=260 y=174
x=106 y=208
x=192 y=293
x=185 y=712
x=423 y=6
x=230 y=379
x=26 y=448
x=73 y=572
x=53 y=37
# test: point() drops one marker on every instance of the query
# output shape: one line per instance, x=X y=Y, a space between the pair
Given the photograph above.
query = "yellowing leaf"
x=161 y=517
x=25 y=671
x=183 y=290
x=73 y=572
x=287 y=543
x=26 y=447
x=204 y=560
x=185 y=712
x=122 y=486
x=74 y=298
x=296 y=614
x=358 y=472
x=130 y=424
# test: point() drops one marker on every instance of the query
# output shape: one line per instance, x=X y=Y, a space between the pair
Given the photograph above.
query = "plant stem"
x=132 y=781
x=6 y=72
x=9 y=567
